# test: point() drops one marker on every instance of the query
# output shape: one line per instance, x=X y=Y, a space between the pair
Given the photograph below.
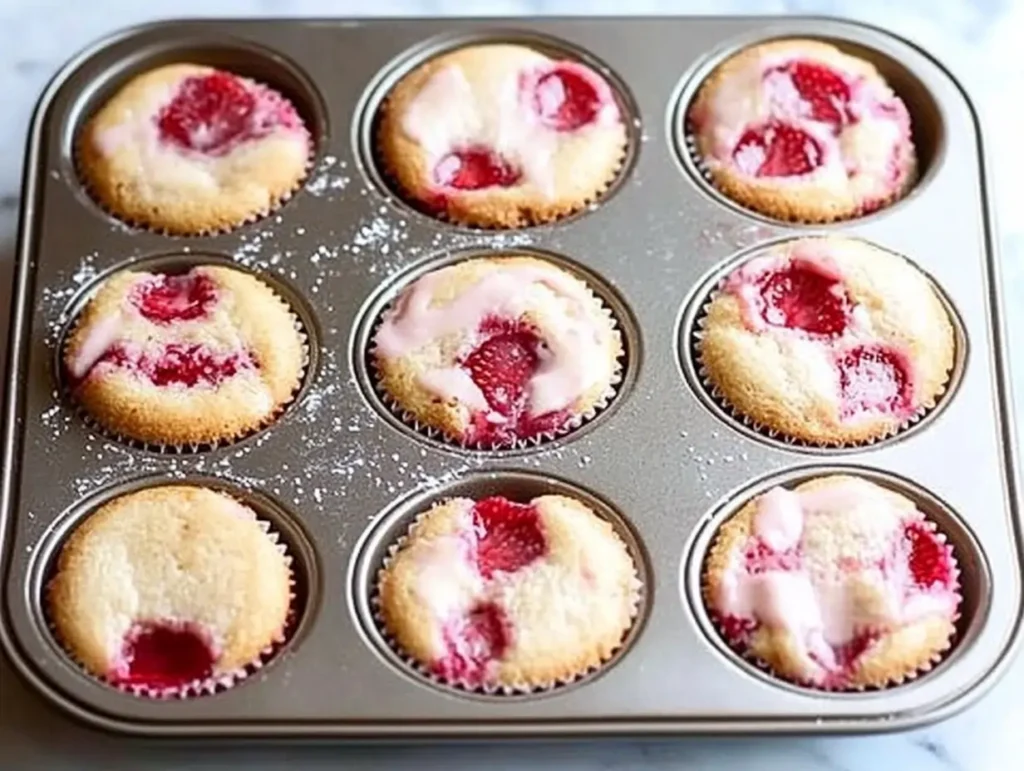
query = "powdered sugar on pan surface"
x=328 y=179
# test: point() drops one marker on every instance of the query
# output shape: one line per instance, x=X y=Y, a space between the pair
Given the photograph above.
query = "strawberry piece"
x=824 y=90
x=736 y=629
x=188 y=364
x=802 y=297
x=566 y=99
x=759 y=557
x=777 y=149
x=928 y=558
x=508 y=535
x=165 y=299
x=873 y=379
x=501 y=366
x=475 y=168
x=473 y=641
x=208 y=113
x=162 y=655
x=213 y=113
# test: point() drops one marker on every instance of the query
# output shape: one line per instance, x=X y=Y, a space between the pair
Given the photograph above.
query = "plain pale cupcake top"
x=804 y=131
x=189 y=148
x=504 y=593
x=828 y=570
x=492 y=126
x=828 y=336
x=170 y=555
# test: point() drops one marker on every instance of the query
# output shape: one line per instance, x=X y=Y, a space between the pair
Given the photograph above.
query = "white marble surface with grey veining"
x=982 y=41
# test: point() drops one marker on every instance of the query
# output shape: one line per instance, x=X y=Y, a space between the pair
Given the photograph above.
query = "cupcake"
x=827 y=341
x=198 y=358
x=501 y=136
x=170 y=591
x=798 y=130
x=495 y=352
x=504 y=596
x=187 y=149
x=837 y=584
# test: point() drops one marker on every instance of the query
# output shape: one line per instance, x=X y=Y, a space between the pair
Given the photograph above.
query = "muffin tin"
x=339 y=476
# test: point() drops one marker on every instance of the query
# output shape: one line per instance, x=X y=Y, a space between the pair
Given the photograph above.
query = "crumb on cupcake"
x=197 y=358
x=493 y=352
x=170 y=590
x=189 y=149
x=496 y=594
x=798 y=130
x=501 y=136
x=837 y=584
x=828 y=341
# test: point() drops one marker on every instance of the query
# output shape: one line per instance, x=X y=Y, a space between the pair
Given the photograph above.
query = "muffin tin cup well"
x=691 y=328
x=974 y=576
x=389 y=533
x=366 y=128
x=926 y=119
x=177 y=264
x=662 y=451
x=287 y=537
x=372 y=315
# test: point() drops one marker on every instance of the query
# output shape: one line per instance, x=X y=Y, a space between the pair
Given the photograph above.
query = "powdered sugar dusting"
x=328 y=179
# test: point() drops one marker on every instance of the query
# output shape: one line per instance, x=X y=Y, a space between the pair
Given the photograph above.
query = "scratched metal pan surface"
x=339 y=478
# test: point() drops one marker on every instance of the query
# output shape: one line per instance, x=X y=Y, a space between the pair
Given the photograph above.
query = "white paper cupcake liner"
x=507 y=689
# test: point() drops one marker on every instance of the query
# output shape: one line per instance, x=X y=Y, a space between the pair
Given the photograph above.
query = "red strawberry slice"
x=164 y=655
x=825 y=90
x=472 y=642
x=566 y=99
x=503 y=365
x=801 y=297
x=777 y=149
x=873 y=379
x=928 y=558
x=209 y=113
x=165 y=299
x=509 y=536
x=475 y=168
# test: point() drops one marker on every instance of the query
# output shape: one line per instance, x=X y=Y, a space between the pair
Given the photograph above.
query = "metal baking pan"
x=340 y=477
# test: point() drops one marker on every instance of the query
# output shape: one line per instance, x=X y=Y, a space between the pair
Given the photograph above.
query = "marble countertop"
x=978 y=39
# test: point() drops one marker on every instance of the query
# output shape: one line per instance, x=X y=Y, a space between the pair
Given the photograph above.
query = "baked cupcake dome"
x=828 y=341
x=798 y=130
x=493 y=352
x=497 y=595
x=197 y=358
x=501 y=136
x=838 y=584
x=170 y=589
x=188 y=149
